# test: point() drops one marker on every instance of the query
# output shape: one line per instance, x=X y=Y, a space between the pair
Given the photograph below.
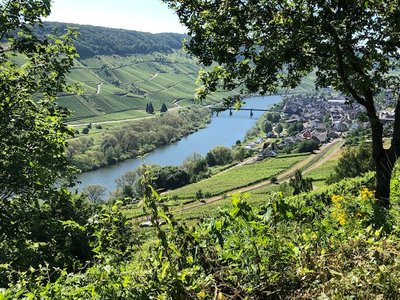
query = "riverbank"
x=223 y=130
x=135 y=139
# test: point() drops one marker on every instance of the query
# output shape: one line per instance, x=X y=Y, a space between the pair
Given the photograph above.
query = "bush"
x=354 y=162
x=307 y=146
x=219 y=155
x=326 y=244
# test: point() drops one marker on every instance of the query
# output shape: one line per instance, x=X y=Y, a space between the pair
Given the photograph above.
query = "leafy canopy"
x=260 y=46
x=41 y=222
x=32 y=72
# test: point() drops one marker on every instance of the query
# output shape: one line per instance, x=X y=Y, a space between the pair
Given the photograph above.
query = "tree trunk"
x=384 y=167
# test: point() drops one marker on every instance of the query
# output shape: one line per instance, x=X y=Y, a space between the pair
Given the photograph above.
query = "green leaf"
x=174 y=248
x=234 y=211
x=164 y=269
x=236 y=199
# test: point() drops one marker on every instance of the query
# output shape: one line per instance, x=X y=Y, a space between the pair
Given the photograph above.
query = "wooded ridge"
x=96 y=40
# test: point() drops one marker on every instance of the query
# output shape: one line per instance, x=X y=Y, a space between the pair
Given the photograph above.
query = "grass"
x=321 y=174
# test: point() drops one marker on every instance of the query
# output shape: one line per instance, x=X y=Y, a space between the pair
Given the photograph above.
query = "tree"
x=294 y=129
x=307 y=146
x=210 y=159
x=169 y=177
x=32 y=132
x=150 y=108
x=41 y=222
x=95 y=192
x=279 y=128
x=128 y=184
x=163 y=108
x=260 y=46
x=354 y=162
x=194 y=164
x=300 y=184
x=85 y=130
x=267 y=127
x=221 y=154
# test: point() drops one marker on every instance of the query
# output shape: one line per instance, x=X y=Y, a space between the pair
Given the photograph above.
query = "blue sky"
x=141 y=15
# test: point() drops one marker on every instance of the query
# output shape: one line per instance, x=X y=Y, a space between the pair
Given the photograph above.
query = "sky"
x=142 y=15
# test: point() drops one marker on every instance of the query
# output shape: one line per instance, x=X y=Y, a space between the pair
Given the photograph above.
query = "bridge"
x=219 y=109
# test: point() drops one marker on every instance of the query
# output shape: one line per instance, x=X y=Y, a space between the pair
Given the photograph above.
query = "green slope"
x=121 y=71
x=113 y=84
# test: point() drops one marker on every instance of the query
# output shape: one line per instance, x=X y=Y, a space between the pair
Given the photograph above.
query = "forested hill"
x=96 y=40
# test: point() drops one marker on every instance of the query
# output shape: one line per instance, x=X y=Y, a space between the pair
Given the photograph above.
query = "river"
x=223 y=130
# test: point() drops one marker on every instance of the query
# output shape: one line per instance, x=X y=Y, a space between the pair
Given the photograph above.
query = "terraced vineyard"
x=237 y=177
x=121 y=71
x=112 y=85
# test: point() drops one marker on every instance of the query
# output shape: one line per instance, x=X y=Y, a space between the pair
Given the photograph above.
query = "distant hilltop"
x=96 y=40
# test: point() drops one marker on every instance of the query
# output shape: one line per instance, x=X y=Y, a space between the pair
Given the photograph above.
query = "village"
x=318 y=118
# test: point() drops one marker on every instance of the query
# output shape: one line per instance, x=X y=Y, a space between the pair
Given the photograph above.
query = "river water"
x=223 y=130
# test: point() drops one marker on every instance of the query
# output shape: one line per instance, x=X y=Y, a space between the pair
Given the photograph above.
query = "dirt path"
x=326 y=152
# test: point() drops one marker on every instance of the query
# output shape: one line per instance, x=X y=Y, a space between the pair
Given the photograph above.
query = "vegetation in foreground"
x=331 y=243
x=337 y=242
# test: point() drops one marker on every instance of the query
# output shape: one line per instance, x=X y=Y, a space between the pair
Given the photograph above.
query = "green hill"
x=122 y=70
x=96 y=40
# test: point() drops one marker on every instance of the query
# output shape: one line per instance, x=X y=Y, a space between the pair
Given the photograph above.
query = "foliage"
x=267 y=127
x=273 y=117
x=295 y=128
x=150 y=108
x=325 y=244
x=279 y=128
x=32 y=128
x=307 y=146
x=111 y=237
x=85 y=130
x=240 y=153
x=41 y=222
x=195 y=165
x=353 y=162
x=44 y=231
x=300 y=184
x=260 y=47
x=163 y=108
x=95 y=192
x=117 y=41
x=135 y=139
x=169 y=177
x=219 y=155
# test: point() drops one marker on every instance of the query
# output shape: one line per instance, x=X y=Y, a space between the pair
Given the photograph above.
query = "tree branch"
x=340 y=68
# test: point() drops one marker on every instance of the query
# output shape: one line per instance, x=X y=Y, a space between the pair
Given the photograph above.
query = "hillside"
x=123 y=70
x=96 y=40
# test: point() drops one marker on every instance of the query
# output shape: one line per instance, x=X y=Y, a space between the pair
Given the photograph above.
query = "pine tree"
x=163 y=108
x=150 y=108
x=147 y=108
